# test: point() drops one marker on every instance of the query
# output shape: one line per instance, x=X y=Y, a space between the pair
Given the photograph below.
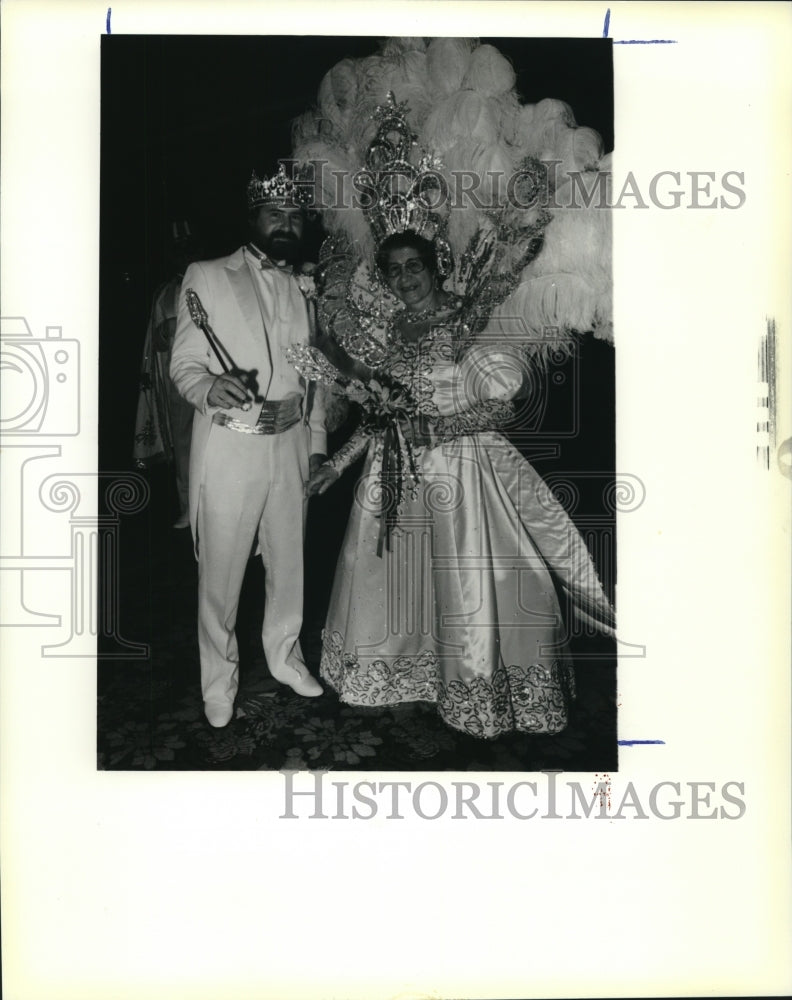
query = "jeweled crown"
x=407 y=194
x=280 y=189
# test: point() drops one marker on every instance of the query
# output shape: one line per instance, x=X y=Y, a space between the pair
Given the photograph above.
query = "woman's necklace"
x=440 y=308
x=414 y=326
x=420 y=316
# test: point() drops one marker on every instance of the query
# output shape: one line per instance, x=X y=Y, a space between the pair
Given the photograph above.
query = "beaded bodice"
x=443 y=342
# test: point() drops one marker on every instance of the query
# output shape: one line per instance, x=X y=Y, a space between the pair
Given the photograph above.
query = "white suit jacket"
x=255 y=333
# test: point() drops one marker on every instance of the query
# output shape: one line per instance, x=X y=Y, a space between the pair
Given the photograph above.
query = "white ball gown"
x=471 y=603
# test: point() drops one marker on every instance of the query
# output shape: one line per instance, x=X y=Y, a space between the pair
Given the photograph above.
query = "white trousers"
x=252 y=495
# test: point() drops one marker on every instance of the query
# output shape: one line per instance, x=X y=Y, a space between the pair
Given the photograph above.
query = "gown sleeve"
x=348 y=453
x=483 y=375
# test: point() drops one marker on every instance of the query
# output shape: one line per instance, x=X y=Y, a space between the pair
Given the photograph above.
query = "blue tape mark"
x=634 y=41
x=107 y=23
x=636 y=743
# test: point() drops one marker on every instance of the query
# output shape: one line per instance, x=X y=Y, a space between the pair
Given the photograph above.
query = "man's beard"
x=281 y=245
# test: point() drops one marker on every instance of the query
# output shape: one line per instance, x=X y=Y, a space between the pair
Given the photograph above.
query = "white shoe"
x=305 y=685
x=218 y=713
x=183 y=520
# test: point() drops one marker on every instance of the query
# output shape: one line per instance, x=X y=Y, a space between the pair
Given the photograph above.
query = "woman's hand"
x=322 y=479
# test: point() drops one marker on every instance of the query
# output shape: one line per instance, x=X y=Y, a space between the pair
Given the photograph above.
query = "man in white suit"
x=258 y=434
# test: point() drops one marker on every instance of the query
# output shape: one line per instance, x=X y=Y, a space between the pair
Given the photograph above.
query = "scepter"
x=200 y=317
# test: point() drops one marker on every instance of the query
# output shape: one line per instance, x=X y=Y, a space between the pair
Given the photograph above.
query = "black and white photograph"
x=395 y=527
x=356 y=335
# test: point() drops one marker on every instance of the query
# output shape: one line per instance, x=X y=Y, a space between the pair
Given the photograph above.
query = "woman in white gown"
x=461 y=578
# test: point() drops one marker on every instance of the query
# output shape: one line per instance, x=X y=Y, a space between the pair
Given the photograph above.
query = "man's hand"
x=315 y=462
x=228 y=391
x=320 y=480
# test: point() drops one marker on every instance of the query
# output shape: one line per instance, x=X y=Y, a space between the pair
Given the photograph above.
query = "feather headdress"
x=515 y=214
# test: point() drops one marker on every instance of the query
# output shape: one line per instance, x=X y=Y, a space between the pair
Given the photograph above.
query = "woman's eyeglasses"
x=412 y=266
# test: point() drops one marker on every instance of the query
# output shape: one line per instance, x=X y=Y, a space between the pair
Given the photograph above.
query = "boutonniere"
x=306 y=282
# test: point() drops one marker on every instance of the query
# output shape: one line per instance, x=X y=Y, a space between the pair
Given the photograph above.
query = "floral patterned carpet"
x=150 y=713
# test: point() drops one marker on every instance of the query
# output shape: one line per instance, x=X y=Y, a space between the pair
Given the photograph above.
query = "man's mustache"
x=282 y=234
